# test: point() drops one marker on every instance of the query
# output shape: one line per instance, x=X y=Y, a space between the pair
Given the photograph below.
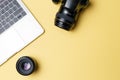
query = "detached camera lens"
x=25 y=66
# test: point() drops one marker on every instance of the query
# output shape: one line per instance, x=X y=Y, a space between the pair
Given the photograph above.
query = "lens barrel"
x=68 y=13
x=65 y=19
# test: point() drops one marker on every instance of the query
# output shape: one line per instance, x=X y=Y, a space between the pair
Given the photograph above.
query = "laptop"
x=17 y=28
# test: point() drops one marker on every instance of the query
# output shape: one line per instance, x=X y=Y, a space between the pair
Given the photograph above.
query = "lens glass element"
x=26 y=66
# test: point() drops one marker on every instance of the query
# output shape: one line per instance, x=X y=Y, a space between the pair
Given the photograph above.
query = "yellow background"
x=89 y=52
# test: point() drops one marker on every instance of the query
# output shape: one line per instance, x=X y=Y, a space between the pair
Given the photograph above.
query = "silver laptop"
x=17 y=28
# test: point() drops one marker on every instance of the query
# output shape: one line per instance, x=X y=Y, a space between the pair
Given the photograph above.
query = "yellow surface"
x=90 y=52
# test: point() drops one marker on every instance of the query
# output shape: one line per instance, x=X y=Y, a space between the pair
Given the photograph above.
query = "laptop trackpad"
x=10 y=43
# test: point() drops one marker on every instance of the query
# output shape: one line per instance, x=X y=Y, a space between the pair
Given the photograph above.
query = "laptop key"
x=11 y=22
x=0 y=26
x=15 y=8
x=6 y=8
x=15 y=19
x=2 y=17
x=1 y=1
x=7 y=19
x=1 y=6
x=3 y=11
x=10 y=5
x=16 y=3
x=7 y=14
x=3 y=23
x=11 y=17
x=19 y=16
x=18 y=11
x=23 y=13
x=2 y=30
x=11 y=11
x=6 y=26
x=6 y=3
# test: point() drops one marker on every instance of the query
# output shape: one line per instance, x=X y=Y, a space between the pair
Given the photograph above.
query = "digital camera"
x=68 y=13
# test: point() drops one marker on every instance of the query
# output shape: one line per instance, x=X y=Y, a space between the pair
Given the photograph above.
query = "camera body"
x=68 y=13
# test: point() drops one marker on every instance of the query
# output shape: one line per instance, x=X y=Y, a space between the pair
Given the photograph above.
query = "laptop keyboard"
x=10 y=13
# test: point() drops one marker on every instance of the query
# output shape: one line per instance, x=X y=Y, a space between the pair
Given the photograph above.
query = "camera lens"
x=68 y=13
x=25 y=66
x=64 y=19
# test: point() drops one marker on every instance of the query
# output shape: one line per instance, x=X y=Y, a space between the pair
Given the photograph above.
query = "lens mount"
x=25 y=65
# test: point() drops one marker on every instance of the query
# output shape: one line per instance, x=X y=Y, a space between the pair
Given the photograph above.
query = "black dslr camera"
x=68 y=13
